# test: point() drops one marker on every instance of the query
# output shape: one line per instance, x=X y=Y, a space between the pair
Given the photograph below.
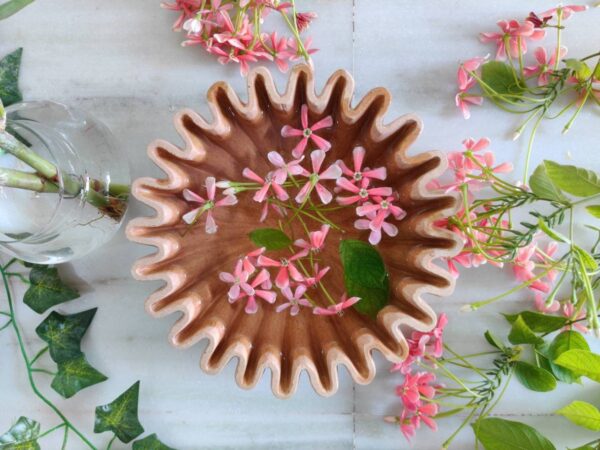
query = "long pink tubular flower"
x=374 y=223
x=283 y=169
x=308 y=133
x=238 y=278
x=338 y=308
x=361 y=192
x=251 y=292
x=208 y=205
x=295 y=300
x=415 y=386
x=333 y=172
x=358 y=174
x=316 y=238
x=515 y=34
x=545 y=65
x=287 y=268
x=267 y=183
x=567 y=11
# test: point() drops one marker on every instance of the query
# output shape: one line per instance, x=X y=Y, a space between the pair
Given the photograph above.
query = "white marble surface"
x=119 y=60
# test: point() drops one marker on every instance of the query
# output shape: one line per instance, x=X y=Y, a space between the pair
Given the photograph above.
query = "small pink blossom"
x=382 y=208
x=523 y=268
x=545 y=65
x=304 y=19
x=566 y=11
x=362 y=193
x=338 y=308
x=316 y=278
x=542 y=306
x=571 y=313
x=465 y=71
x=357 y=174
x=281 y=55
x=208 y=205
x=295 y=51
x=464 y=101
x=250 y=260
x=287 y=268
x=283 y=169
x=187 y=9
x=316 y=238
x=512 y=39
x=333 y=172
x=268 y=183
x=308 y=133
x=376 y=225
x=295 y=300
x=238 y=278
x=412 y=418
x=415 y=386
x=251 y=293
x=434 y=339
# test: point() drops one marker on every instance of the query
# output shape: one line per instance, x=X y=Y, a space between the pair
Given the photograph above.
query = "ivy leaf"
x=75 y=375
x=542 y=186
x=573 y=180
x=534 y=378
x=582 y=362
x=11 y=7
x=565 y=341
x=365 y=276
x=63 y=334
x=538 y=322
x=270 y=238
x=594 y=210
x=501 y=434
x=502 y=79
x=21 y=436
x=583 y=414
x=47 y=289
x=121 y=416
x=150 y=443
x=520 y=333
x=9 y=77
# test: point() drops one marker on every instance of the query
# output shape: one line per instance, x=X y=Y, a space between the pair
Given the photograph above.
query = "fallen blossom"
x=295 y=300
x=208 y=205
x=333 y=172
x=308 y=133
x=338 y=308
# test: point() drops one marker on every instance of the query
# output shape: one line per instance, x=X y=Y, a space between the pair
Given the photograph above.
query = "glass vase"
x=64 y=185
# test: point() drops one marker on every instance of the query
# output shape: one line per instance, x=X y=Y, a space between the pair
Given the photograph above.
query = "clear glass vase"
x=50 y=220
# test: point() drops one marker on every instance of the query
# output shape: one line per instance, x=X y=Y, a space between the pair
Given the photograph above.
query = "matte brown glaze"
x=239 y=136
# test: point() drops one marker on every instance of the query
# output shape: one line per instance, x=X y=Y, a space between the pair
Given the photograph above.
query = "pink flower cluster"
x=419 y=388
x=512 y=43
x=231 y=30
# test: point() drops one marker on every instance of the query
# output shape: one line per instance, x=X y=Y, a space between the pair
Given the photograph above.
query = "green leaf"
x=270 y=238
x=520 y=333
x=63 y=334
x=538 y=322
x=121 y=416
x=594 y=210
x=573 y=180
x=9 y=78
x=583 y=414
x=552 y=233
x=365 y=276
x=542 y=186
x=565 y=341
x=21 y=436
x=150 y=443
x=582 y=362
x=534 y=378
x=501 y=434
x=75 y=375
x=47 y=289
x=502 y=79
x=11 y=7
x=585 y=258
x=581 y=69
x=493 y=340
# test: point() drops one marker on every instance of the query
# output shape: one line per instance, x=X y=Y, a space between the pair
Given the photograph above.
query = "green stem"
x=111 y=442
x=24 y=180
x=464 y=423
x=51 y=430
x=38 y=355
x=536 y=125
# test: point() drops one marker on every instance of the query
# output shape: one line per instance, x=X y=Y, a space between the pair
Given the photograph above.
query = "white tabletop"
x=120 y=61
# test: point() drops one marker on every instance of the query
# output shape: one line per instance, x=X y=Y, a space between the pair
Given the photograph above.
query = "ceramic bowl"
x=239 y=135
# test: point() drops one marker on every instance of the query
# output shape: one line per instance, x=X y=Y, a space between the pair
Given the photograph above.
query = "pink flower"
x=471 y=145
x=304 y=20
x=464 y=75
x=361 y=193
x=251 y=293
x=308 y=133
x=415 y=386
x=382 y=209
x=523 y=268
x=238 y=278
x=265 y=211
x=186 y=7
x=543 y=307
x=464 y=100
x=281 y=54
x=267 y=183
x=566 y=11
x=287 y=268
x=515 y=34
x=284 y=169
x=295 y=300
x=208 y=205
x=374 y=223
x=250 y=261
x=358 y=175
x=317 y=240
x=424 y=412
x=570 y=313
x=338 y=308
x=318 y=275
x=295 y=51
x=432 y=341
x=545 y=65
x=333 y=172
